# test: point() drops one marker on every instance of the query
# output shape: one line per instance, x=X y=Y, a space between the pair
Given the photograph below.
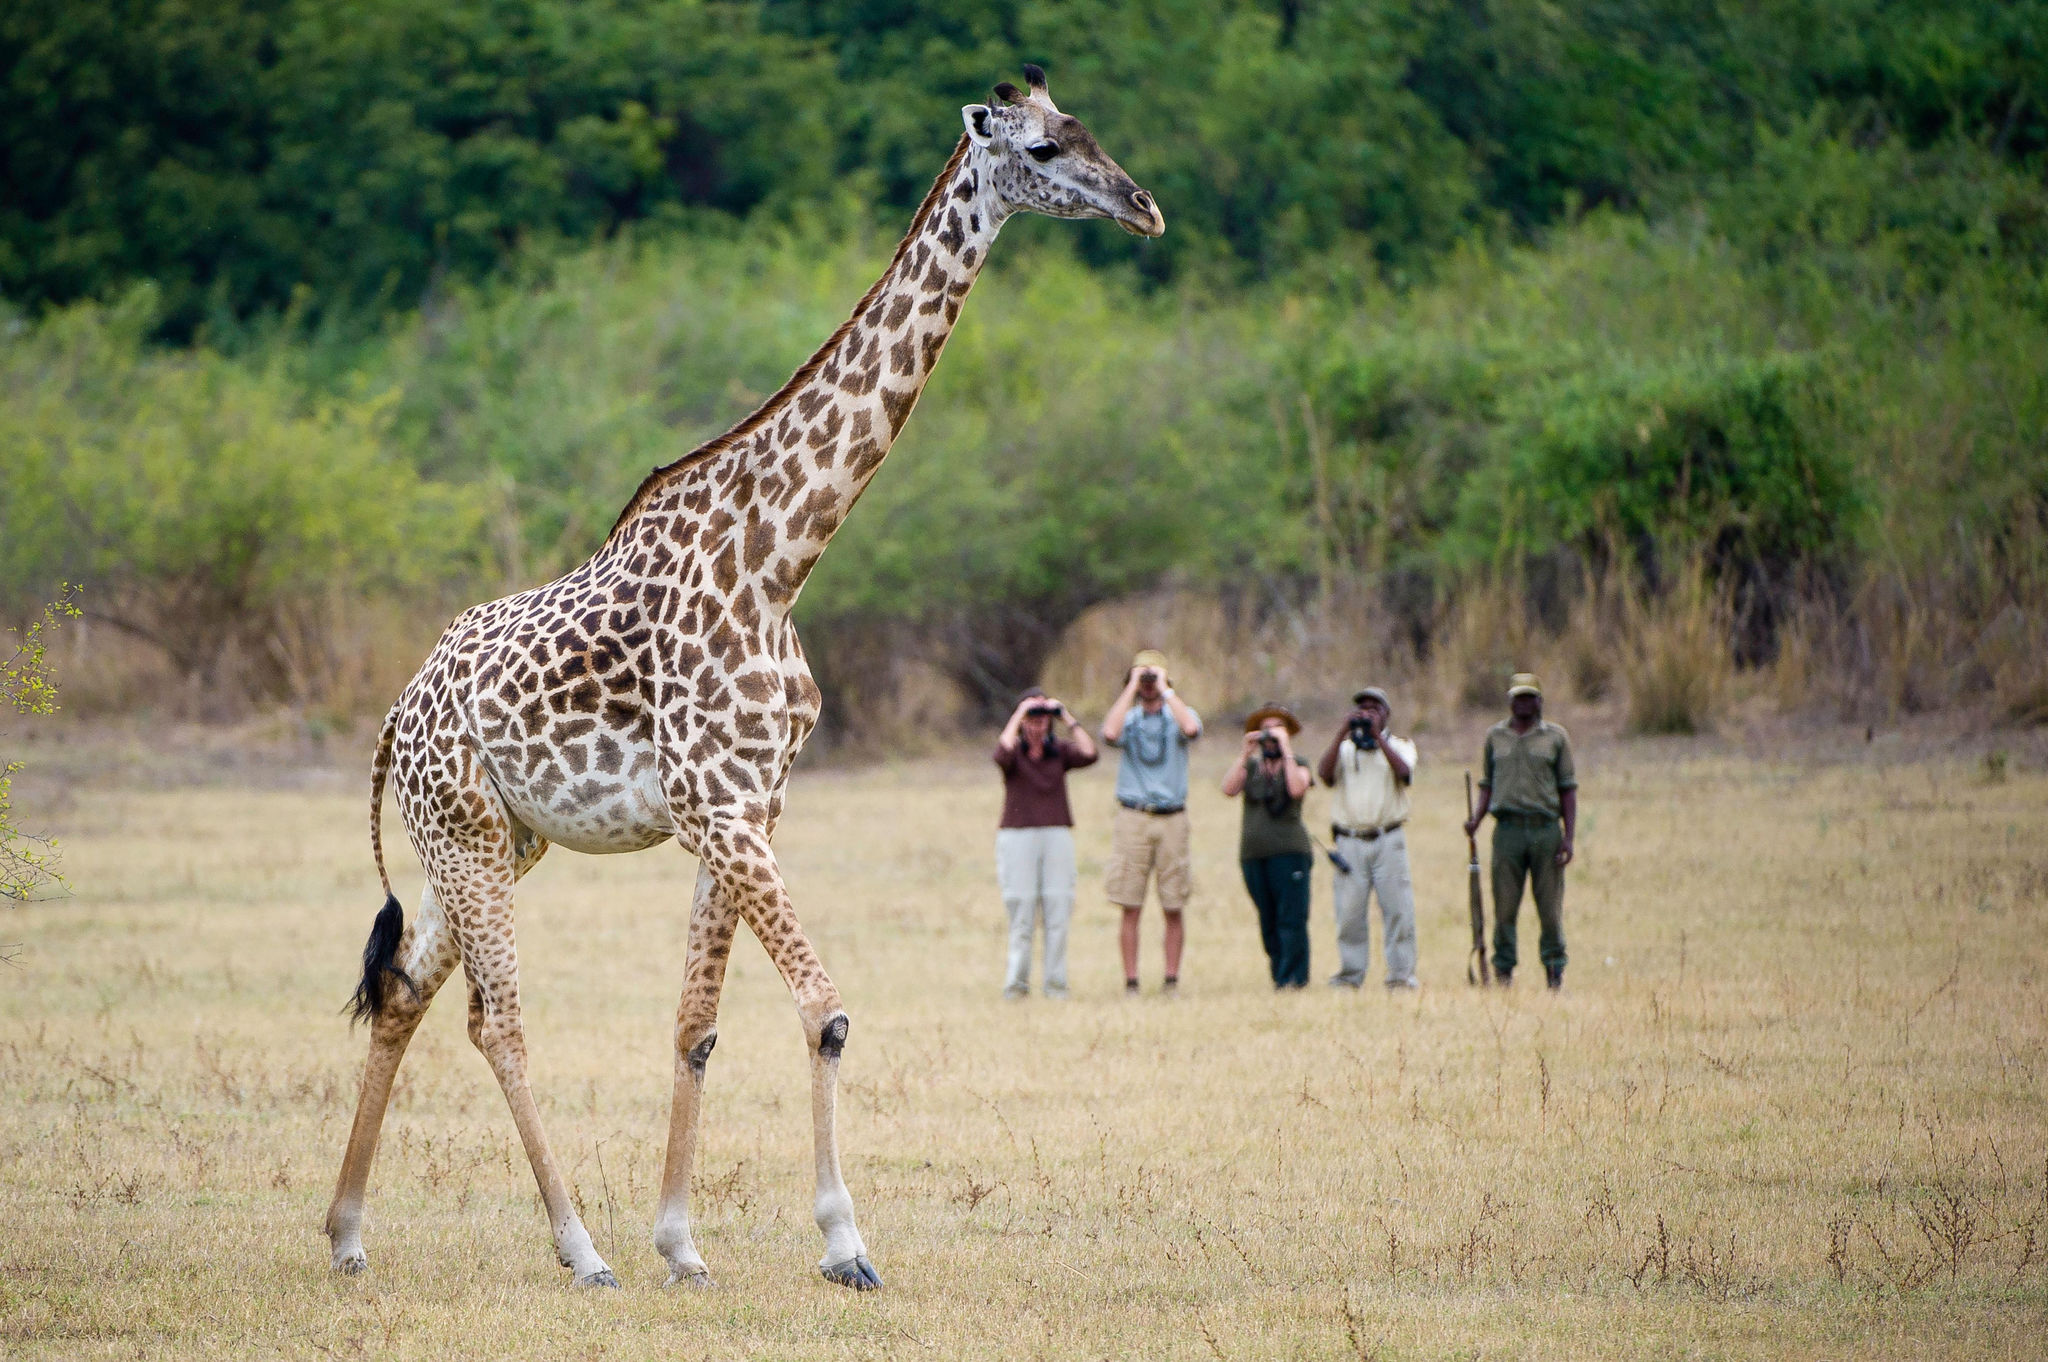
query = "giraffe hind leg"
x=424 y=953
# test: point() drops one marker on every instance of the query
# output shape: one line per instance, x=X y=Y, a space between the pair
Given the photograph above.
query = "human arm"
x=1485 y=790
x=1567 y=800
x=1240 y=770
x=1077 y=732
x=1327 y=767
x=1189 y=721
x=1299 y=777
x=1007 y=742
x=1396 y=762
x=1113 y=722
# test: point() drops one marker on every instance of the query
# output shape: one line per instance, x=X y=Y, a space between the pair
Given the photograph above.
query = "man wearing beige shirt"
x=1370 y=769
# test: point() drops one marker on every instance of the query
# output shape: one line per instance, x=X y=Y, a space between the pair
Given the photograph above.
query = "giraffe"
x=657 y=691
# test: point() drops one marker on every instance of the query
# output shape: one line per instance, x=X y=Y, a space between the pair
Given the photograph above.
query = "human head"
x=1150 y=667
x=1371 y=697
x=1272 y=719
x=1525 y=696
x=1035 y=726
x=1043 y=161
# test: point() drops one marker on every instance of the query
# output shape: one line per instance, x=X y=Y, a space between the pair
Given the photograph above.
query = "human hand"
x=1564 y=854
x=1472 y=828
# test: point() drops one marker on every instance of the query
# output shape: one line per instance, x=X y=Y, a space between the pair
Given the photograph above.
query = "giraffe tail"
x=380 y=953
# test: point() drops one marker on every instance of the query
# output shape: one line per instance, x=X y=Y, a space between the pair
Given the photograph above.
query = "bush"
x=202 y=507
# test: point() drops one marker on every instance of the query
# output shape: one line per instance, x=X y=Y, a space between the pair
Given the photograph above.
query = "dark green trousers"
x=1526 y=848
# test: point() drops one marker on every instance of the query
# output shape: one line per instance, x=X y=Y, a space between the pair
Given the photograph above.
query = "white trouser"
x=1379 y=866
x=1035 y=873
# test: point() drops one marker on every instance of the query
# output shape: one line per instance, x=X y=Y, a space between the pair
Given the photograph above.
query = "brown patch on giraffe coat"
x=760 y=541
x=897 y=405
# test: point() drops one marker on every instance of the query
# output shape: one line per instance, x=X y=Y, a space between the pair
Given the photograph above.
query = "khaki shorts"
x=1142 y=845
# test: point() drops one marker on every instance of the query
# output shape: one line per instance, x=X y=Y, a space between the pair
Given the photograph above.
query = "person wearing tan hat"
x=1371 y=770
x=1273 y=849
x=1528 y=785
x=1152 y=727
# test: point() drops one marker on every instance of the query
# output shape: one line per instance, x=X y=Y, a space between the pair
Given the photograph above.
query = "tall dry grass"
x=1677 y=652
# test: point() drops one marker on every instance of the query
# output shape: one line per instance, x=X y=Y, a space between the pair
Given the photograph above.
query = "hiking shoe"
x=1503 y=978
x=1398 y=985
x=1171 y=987
x=1130 y=988
x=1339 y=981
x=1055 y=994
x=1554 y=976
x=1017 y=993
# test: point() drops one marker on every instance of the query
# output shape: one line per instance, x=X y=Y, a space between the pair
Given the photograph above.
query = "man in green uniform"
x=1528 y=785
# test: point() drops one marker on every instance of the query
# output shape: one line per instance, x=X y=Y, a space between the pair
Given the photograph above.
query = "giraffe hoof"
x=602 y=1277
x=696 y=1275
x=856 y=1272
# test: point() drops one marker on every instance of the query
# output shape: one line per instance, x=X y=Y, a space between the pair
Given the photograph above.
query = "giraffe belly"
x=596 y=814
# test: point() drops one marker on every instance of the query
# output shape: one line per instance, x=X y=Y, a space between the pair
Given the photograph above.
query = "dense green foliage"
x=238 y=150
x=1448 y=288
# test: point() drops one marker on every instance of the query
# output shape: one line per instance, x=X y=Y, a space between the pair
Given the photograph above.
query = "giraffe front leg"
x=712 y=920
x=738 y=856
x=846 y=1255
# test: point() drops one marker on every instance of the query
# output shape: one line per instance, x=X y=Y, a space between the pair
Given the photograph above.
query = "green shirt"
x=1267 y=833
x=1528 y=772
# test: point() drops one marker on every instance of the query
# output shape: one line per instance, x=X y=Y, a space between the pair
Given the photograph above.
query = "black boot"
x=1503 y=978
x=1555 y=975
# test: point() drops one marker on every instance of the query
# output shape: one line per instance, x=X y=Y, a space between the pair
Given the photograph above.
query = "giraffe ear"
x=976 y=117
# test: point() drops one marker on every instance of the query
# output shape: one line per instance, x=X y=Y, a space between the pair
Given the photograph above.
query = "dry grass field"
x=1791 y=1104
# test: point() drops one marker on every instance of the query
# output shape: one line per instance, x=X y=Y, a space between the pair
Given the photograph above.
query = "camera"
x=1270 y=746
x=1361 y=734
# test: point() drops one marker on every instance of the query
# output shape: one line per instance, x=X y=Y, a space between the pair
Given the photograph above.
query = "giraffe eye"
x=1042 y=152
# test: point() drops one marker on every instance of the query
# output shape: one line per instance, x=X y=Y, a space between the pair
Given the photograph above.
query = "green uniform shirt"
x=1267 y=833
x=1527 y=772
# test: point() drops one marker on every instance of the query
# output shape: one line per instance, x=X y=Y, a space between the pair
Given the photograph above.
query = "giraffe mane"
x=766 y=412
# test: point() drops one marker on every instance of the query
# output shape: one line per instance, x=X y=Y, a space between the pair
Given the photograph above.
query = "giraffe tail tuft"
x=380 y=964
x=380 y=953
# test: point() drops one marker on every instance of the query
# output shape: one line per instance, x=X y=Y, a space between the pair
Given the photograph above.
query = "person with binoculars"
x=1371 y=770
x=1035 y=840
x=1152 y=726
x=1273 y=849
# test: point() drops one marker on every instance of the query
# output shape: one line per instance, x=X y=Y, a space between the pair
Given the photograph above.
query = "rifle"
x=1475 y=964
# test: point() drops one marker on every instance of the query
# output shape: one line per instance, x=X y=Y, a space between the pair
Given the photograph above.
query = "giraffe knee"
x=832 y=1037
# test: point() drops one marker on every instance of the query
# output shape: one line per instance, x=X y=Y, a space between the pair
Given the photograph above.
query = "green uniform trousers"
x=1526 y=848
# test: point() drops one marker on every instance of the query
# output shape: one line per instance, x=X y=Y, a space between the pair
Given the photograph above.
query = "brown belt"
x=1364 y=834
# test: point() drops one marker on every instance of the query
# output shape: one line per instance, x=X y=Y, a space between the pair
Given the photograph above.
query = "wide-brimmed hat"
x=1152 y=657
x=1365 y=693
x=1256 y=720
x=1524 y=683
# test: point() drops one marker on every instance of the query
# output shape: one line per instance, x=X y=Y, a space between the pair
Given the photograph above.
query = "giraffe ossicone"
x=658 y=691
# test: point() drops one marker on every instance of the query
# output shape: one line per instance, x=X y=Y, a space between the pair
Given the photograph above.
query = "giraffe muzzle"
x=1144 y=218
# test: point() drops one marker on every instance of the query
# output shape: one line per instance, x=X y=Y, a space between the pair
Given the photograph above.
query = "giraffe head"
x=1044 y=161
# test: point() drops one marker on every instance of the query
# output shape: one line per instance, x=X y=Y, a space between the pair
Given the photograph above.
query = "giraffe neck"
x=763 y=500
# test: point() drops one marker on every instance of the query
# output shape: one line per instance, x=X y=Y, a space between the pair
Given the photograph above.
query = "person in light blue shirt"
x=1152 y=727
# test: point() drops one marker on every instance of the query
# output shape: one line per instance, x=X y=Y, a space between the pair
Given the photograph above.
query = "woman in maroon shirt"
x=1035 y=841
